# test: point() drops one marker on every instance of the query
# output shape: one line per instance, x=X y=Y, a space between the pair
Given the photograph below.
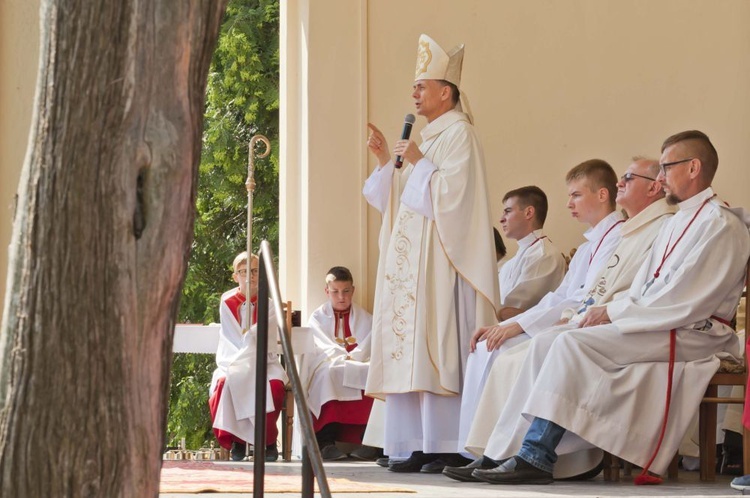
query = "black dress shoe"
x=382 y=461
x=435 y=467
x=514 y=471
x=414 y=463
x=237 y=452
x=272 y=453
x=445 y=459
x=463 y=474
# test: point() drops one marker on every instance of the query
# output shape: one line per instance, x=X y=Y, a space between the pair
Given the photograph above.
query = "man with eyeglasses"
x=642 y=198
x=611 y=383
x=232 y=391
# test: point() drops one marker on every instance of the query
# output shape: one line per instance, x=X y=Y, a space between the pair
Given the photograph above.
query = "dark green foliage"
x=242 y=100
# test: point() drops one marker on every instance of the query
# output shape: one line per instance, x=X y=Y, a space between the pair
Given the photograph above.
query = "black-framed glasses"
x=663 y=167
x=629 y=176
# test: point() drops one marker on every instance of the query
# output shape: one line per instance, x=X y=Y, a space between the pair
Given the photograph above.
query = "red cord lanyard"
x=602 y=240
x=668 y=250
x=537 y=240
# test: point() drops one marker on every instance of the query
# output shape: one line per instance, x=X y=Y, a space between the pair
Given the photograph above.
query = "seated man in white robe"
x=537 y=269
x=591 y=190
x=335 y=373
x=642 y=198
x=630 y=379
x=232 y=391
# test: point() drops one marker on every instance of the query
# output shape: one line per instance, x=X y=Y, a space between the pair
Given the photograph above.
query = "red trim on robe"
x=352 y=415
x=234 y=303
x=226 y=438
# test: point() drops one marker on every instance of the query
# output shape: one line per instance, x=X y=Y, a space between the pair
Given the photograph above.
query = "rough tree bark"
x=100 y=244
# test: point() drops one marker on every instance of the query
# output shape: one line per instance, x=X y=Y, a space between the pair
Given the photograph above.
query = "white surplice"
x=537 y=269
x=495 y=408
x=323 y=372
x=601 y=241
x=607 y=384
x=235 y=360
x=436 y=283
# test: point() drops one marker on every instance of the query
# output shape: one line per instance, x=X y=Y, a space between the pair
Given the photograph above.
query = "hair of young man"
x=339 y=274
x=598 y=174
x=531 y=196
x=700 y=146
x=455 y=93
x=240 y=259
x=499 y=244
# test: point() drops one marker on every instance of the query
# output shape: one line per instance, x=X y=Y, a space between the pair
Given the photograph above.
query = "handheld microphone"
x=408 y=122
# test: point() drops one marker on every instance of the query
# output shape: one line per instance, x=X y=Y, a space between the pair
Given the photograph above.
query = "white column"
x=323 y=128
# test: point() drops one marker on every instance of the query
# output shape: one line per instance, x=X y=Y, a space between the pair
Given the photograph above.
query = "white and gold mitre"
x=433 y=63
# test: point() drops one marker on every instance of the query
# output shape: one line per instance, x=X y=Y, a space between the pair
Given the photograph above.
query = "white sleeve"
x=417 y=194
x=377 y=187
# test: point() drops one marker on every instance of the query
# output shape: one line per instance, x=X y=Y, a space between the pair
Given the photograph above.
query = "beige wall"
x=551 y=84
x=19 y=47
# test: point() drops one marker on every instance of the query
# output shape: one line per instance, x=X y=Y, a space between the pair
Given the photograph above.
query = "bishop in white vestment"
x=436 y=274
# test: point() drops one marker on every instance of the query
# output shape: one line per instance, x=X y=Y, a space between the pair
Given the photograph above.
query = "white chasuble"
x=425 y=248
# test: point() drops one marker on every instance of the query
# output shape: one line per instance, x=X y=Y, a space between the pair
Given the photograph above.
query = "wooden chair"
x=612 y=463
x=729 y=374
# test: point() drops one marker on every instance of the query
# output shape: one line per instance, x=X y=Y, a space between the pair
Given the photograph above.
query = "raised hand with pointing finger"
x=378 y=145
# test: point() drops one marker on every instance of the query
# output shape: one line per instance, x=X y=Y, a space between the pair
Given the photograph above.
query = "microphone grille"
x=410 y=119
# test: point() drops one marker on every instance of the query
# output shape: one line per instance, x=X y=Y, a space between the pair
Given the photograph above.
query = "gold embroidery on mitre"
x=424 y=57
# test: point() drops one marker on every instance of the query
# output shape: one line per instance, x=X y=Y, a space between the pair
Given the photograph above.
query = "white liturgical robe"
x=436 y=282
x=607 y=384
x=589 y=259
x=537 y=269
x=324 y=371
x=638 y=234
x=235 y=360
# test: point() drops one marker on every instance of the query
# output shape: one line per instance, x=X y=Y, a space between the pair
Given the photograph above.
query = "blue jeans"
x=538 y=448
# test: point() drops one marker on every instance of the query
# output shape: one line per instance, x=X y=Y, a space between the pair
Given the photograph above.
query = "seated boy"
x=232 y=391
x=335 y=373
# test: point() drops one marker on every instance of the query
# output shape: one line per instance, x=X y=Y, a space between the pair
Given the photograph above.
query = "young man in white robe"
x=650 y=353
x=591 y=190
x=537 y=269
x=642 y=198
x=436 y=278
x=232 y=391
x=335 y=372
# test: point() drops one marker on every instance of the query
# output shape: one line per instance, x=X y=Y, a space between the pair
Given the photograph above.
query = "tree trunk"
x=100 y=243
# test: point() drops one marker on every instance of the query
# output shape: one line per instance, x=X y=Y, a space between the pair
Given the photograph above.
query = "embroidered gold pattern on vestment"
x=401 y=285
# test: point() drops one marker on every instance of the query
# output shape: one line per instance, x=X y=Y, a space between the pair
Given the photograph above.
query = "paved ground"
x=438 y=486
